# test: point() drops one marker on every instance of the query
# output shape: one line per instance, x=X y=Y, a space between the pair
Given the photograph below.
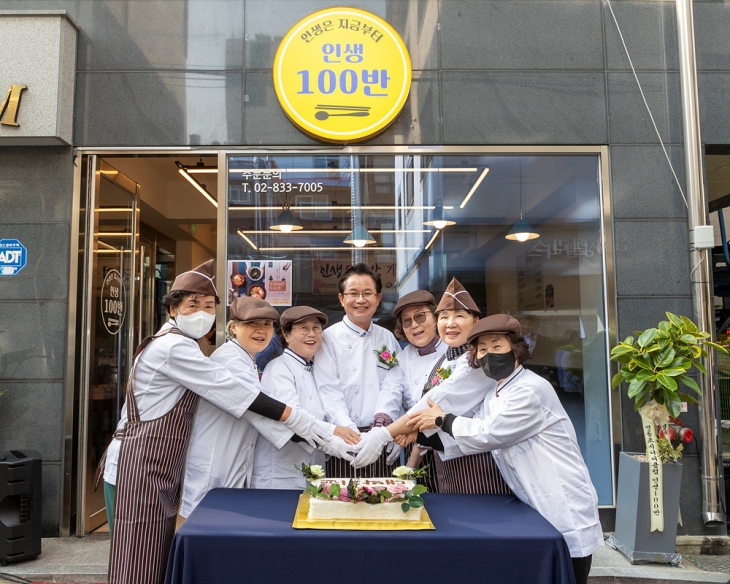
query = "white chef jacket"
x=291 y=381
x=534 y=445
x=350 y=377
x=165 y=369
x=416 y=371
x=462 y=394
x=222 y=447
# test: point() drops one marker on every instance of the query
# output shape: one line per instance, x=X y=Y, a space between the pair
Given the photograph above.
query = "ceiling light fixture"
x=251 y=243
x=430 y=241
x=360 y=237
x=521 y=230
x=286 y=222
x=183 y=170
x=474 y=188
x=439 y=220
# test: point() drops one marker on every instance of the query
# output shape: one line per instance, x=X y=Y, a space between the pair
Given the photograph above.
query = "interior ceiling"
x=718 y=180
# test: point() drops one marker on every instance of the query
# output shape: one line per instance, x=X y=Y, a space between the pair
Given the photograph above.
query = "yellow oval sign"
x=342 y=74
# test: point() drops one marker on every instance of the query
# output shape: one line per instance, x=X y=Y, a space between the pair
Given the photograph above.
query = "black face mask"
x=498 y=365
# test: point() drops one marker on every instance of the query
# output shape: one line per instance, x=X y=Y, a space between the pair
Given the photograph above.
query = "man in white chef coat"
x=356 y=370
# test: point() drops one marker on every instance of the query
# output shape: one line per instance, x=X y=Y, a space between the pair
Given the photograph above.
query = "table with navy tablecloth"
x=246 y=535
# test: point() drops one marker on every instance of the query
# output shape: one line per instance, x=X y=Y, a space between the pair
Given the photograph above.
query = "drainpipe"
x=712 y=486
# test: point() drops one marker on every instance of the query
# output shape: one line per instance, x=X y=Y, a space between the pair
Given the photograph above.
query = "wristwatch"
x=439 y=421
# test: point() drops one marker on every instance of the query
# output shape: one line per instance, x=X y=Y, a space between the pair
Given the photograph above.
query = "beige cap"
x=496 y=323
x=413 y=299
x=297 y=313
x=457 y=298
x=248 y=308
x=198 y=280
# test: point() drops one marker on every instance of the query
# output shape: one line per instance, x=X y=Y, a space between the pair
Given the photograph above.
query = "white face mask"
x=195 y=325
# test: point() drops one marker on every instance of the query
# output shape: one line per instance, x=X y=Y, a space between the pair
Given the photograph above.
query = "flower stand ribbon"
x=653 y=415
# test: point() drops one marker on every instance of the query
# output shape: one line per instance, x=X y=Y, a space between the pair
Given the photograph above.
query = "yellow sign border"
x=332 y=136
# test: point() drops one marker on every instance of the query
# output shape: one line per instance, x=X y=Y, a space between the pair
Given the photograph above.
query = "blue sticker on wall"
x=13 y=257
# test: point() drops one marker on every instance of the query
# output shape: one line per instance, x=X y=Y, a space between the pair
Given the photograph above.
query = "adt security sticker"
x=13 y=257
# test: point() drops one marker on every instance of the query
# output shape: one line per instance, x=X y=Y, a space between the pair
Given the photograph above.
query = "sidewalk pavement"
x=75 y=560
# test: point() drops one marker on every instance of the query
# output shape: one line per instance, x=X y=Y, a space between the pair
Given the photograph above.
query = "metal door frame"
x=93 y=186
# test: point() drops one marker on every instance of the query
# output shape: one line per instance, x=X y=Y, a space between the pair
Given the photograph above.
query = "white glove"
x=336 y=446
x=303 y=424
x=393 y=451
x=371 y=446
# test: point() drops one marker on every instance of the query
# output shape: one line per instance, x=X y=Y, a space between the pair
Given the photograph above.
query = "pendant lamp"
x=521 y=230
x=286 y=222
x=360 y=237
x=439 y=219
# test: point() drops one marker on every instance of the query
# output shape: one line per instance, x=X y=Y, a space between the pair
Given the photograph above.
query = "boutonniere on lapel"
x=386 y=357
x=441 y=374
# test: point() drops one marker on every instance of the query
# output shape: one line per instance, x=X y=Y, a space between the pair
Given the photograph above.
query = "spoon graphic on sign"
x=325 y=115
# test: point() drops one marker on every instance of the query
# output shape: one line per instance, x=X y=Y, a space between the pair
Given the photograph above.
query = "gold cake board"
x=302 y=521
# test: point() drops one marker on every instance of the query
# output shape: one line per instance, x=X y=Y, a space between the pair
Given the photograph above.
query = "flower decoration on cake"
x=442 y=373
x=312 y=472
x=409 y=498
x=387 y=357
x=407 y=473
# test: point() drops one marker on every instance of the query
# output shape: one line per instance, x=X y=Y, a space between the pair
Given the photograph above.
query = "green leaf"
x=700 y=366
x=645 y=375
x=708 y=343
x=385 y=493
x=419 y=490
x=615 y=382
x=415 y=503
x=688 y=398
x=688 y=324
x=647 y=337
x=635 y=387
x=666 y=357
x=682 y=362
x=689 y=382
x=640 y=400
x=667 y=382
x=674 y=319
x=335 y=490
x=629 y=340
x=652 y=348
x=696 y=351
x=688 y=338
x=619 y=350
x=674 y=404
x=642 y=362
x=673 y=371
x=664 y=326
x=405 y=507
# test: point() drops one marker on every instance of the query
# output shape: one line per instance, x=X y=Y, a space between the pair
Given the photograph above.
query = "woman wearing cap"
x=462 y=388
x=143 y=465
x=221 y=450
x=533 y=441
x=291 y=380
x=415 y=316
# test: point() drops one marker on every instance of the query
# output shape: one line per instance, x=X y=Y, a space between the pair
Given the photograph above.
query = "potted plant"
x=656 y=366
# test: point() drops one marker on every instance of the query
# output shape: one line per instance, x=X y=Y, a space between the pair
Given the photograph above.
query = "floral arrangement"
x=311 y=473
x=407 y=473
x=386 y=357
x=442 y=373
x=356 y=493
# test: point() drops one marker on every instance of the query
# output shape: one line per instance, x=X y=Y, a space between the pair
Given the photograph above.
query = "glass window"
x=522 y=234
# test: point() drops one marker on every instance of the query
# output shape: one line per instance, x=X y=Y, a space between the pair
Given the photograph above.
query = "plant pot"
x=633 y=522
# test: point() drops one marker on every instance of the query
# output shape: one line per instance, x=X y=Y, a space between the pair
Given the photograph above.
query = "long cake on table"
x=328 y=509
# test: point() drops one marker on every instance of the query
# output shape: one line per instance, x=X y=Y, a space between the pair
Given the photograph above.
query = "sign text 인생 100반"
x=342 y=74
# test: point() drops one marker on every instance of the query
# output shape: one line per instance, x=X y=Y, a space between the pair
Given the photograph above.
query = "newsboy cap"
x=496 y=323
x=248 y=308
x=413 y=299
x=198 y=280
x=297 y=313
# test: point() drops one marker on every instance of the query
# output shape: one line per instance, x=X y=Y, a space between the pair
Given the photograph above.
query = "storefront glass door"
x=110 y=323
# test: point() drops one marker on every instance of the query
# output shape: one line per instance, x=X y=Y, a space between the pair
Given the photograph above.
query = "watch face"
x=439 y=420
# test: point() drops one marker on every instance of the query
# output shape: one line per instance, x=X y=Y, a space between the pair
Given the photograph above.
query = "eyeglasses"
x=356 y=295
x=419 y=317
x=305 y=330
